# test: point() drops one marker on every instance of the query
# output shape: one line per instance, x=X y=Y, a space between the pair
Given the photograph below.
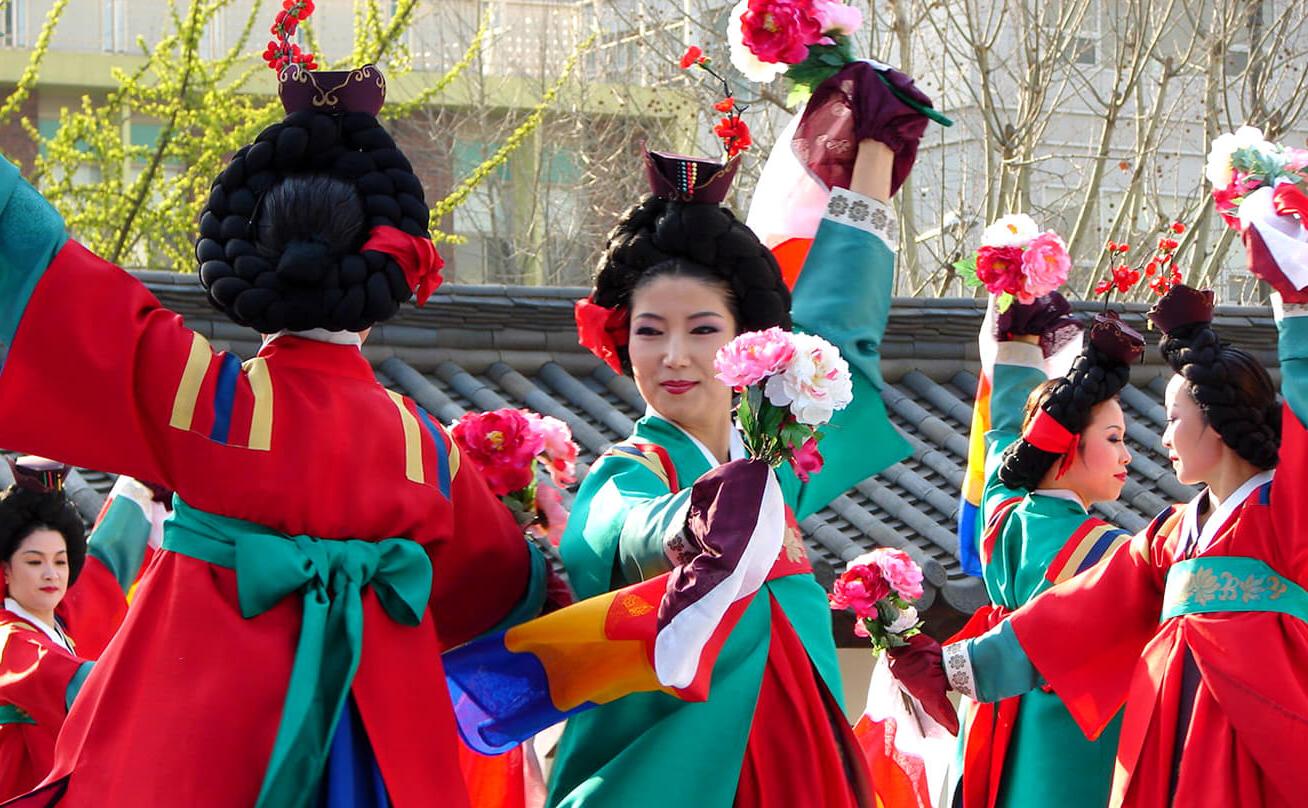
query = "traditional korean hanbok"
x=325 y=547
x=40 y=674
x=1027 y=750
x=1201 y=632
x=771 y=732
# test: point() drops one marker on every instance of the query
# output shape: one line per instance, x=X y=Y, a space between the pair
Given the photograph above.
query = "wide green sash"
x=13 y=714
x=1230 y=584
x=329 y=575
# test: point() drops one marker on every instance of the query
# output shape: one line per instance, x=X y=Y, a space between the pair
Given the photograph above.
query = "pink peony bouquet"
x=790 y=385
x=805 y=40
x=506 y=445
x=1242 y=162
x=1016 y=260
x=880 y=587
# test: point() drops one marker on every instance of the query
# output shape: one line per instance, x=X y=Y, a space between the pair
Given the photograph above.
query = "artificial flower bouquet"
x=1016 y=260
x=790 y=384
x=1241 y=163
x=506 y=445
x=880 y=587
x=807 y=41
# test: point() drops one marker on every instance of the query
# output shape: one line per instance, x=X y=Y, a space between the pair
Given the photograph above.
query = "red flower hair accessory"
x=416 y=256
x=1046 y=434
x=602 y=330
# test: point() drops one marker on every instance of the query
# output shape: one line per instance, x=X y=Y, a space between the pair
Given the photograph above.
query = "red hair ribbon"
x=1047 y=435
x=416 y=256
x=1287 y=199
x=602 y=330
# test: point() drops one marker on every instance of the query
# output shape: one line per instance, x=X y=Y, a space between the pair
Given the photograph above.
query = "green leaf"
x=966 y=270
x=1003 y=302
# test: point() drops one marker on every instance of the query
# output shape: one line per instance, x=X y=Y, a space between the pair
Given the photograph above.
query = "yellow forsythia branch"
x=28 y=79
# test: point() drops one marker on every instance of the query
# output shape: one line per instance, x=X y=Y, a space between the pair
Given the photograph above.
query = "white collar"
x=1061 y=493
x=1202 y=540
x=320 y=335
x=735 y=446
x=52 y=632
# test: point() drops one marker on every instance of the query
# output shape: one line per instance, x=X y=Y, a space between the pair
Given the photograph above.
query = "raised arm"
x=96 y=372
x=843 y=294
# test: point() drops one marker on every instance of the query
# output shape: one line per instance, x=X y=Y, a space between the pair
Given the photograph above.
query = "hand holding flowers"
x=506 y=444
x=879 y=588
x=1016 y=260
x=790 y=385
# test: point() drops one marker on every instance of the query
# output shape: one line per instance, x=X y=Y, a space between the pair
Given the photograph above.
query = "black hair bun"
x=706 y=241
x=24 y=510
x=281 y=235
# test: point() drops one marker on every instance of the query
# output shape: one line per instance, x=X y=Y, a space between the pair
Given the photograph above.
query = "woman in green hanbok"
x=680 y=278
x=1055 y=447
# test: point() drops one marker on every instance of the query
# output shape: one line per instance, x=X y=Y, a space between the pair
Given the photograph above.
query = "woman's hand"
x=919 y=667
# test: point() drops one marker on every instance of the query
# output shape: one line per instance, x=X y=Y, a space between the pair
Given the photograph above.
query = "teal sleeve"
x=1000 y=667
x=1013 y=384
x=119 y=540
x=620 y=518
x=75 y=684
x=31 y=233
x=533 y=600
x=843 y=295
x=1293 y=348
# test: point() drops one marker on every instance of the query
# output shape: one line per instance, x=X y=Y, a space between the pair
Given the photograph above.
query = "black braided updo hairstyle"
x=280 y=237
x=23 y=512
x=1232 y=389
x=661 y=237
x=1094 y=378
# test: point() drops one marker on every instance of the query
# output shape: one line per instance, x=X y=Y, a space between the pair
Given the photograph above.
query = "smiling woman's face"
x=678 y=323
x=36 y=575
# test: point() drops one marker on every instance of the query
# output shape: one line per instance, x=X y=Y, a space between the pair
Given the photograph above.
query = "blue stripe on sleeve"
x=223 y=397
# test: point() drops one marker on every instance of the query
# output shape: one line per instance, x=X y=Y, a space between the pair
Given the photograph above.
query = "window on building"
x=114 y=26
x=213 y=41
x=1088 y=39
x=13 y=24
x=484 y=220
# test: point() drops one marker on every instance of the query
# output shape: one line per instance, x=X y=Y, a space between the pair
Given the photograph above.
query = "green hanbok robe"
x=1031 y=541
x=651 y=749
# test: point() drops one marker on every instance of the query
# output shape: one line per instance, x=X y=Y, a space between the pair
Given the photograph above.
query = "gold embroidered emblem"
x=635 y=605
x=793 y=544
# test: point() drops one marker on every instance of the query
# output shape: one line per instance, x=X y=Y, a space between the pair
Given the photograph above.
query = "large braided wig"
x=262 y=276
x=681 y=229
x=1098 y=374
x=1233 y=390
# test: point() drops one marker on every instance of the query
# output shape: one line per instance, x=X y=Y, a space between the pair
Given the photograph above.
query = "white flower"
x=1014 y=230
x=905 y=620
x=744 y=60
x=815 y=385
x=1219 y=169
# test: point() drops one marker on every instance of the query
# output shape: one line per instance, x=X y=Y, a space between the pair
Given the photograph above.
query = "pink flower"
x=806 y=459
x=502 y=445
x=900 y=572
x=780 y=30
x=859 y=588
x=753 y=356
x=1045 y=263
x=1000 y=269
x=559 y=449
x=837 y=18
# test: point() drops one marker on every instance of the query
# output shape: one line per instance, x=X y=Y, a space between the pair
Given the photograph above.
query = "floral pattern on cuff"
x=958 y=668
x=867 y=214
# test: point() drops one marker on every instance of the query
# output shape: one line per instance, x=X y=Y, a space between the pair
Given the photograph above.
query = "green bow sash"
x=329 y=576
x=13 y=714
x=1230 y=584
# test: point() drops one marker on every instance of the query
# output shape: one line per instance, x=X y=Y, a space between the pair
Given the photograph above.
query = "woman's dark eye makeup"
x=647 y=331
x=705 y=329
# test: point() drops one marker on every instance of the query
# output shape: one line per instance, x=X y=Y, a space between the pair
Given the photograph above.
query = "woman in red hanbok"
x=1202 y=626
x=42 y=549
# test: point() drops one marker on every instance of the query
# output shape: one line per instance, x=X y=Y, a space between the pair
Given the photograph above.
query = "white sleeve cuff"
x=958 y=669
x=1016 y=352
x=1282 y=310
x=865 y=213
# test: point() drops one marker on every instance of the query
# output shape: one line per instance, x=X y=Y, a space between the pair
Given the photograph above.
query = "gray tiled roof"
x=483 y=347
